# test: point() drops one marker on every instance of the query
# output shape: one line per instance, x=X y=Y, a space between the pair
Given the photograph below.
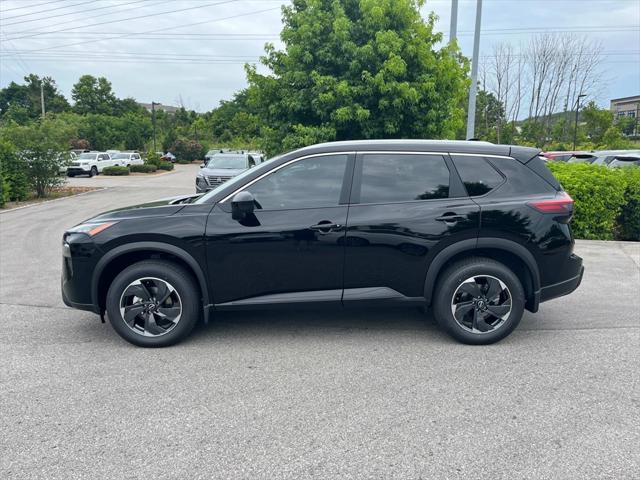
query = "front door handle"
x=325 y=226
x=450 y=218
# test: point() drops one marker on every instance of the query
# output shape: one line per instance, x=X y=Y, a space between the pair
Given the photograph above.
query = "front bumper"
x=78 y=261
x=79 y=170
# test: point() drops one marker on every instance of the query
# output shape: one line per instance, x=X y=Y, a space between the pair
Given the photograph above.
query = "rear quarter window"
x=520 y=179
x=477 y=175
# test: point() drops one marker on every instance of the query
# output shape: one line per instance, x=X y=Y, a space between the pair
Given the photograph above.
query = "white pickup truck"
x=90 y=163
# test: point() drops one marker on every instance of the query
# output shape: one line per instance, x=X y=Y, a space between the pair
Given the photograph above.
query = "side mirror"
x=242 y=205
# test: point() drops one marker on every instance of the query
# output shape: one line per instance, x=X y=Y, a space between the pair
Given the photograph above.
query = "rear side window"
x=520 y=179
x=478 y=176
x=537 y=165
x=388 y=178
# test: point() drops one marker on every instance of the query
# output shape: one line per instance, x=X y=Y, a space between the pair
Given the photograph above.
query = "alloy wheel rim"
x=481 y=304
x=150 y=306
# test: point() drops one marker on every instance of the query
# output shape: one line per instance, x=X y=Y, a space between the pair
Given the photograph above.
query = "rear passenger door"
x=404 y=208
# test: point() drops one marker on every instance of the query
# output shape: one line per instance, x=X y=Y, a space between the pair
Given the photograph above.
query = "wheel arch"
x=116 y=260
x=512 y=254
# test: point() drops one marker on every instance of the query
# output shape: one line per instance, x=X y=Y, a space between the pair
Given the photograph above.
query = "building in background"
x=626 y=107
x=159 y=106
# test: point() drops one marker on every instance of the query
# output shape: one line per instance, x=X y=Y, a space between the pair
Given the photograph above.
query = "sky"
x=192 y=52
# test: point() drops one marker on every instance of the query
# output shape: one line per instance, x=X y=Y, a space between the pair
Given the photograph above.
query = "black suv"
x=477 y=231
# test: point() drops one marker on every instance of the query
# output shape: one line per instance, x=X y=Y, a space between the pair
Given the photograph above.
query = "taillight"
x=561 y=204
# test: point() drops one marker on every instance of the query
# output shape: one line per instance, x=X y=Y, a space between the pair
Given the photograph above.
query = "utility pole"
x=453 y=28
x=153 y=120
x=575 y=127
x=42 y=97
x=471 y=113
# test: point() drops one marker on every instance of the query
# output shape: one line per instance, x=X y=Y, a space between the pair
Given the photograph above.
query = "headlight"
x=91 y=229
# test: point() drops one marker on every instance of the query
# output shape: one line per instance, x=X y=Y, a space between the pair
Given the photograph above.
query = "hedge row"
x=115 y=170
x=607 y=200
x=146 y=168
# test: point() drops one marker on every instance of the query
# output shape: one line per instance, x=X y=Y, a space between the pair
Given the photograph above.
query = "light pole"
x=471 y=111
x=153 y=120
x=453 y=28
x=575 y=127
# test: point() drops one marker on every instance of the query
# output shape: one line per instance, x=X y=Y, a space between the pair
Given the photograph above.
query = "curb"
x=3 y=211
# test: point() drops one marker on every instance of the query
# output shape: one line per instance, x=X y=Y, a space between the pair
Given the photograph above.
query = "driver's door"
x=291 y=248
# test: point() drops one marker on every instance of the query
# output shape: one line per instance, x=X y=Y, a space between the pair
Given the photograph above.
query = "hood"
x=221 y=172
x=158 y=208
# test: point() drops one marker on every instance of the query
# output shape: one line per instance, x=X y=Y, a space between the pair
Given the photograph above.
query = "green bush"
x=186 y=151
x=146 y=168
x=607 y=200
x=152 y=159
x=4 y=190
x=13 y=169
x=115 y=170
x=629 y=219
x=165 y=166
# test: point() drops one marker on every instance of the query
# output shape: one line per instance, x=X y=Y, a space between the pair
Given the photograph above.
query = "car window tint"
x=520 y=181
x=388 y=178
x=313 y=182
x=477 y=175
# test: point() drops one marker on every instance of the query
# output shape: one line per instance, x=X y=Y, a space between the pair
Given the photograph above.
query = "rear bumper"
x=566 y=286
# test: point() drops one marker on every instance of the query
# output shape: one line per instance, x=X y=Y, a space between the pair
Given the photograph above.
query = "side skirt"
x=378 y=296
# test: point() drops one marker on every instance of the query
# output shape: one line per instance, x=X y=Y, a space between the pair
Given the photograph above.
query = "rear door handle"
x=450 y=218
x=325 y=226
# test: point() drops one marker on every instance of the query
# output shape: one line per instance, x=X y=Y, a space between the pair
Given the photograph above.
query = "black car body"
x=344 y=223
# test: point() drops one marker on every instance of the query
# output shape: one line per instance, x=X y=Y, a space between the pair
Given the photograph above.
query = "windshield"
x=119 y=155
x=228 y=161
x=236 y=181
x=87 y=156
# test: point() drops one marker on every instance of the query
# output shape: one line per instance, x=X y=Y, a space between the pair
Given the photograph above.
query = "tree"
x=357 y=69
x=627 y=125
x=22 y=103
x=489 y=117
x=596 y=121
x=94 y=95
x=42 y=150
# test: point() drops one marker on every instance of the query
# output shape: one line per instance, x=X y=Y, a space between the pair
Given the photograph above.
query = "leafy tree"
x=22 y=102
x=627 y=125
x=94 y=95
x=357 y=69
x=596 y=121
x=15 y=185
x=135 y=130
x=42 y=149
x=489 y=117
x=613 y=139
x=187 y=151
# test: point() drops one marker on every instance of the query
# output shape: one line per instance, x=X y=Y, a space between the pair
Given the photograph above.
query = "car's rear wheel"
x=479 y=301
x=93 y=172
x=153 y=303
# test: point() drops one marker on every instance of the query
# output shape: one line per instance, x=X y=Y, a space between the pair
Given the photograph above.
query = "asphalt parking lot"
x=306 y=394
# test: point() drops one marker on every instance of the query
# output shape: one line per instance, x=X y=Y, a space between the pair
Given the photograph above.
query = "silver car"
x=221 y=167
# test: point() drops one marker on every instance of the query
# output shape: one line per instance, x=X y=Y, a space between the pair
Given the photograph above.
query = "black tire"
x=71 y=175
x=93 y=172
x=450 y=284
x=183 y=283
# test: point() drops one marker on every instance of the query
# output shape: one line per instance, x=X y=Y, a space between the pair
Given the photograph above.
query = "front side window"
x=310 y=183
x=388 y=178
x=478 y=176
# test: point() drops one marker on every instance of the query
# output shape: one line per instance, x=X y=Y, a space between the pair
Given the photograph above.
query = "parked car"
x=582 y=158
x=89 y=163
x=66 y=161
x=479 y=232
x=211 y=153
x=629 y=160
x=126 y=159
x=562 y=156
x=222 y=167
x=168 y=157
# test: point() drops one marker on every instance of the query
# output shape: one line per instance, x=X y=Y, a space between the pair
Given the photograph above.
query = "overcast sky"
x=192 y=51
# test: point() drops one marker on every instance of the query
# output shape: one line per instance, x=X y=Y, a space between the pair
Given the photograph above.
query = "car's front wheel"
x=479 y=301
x=93 y=172
x=153 y=303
